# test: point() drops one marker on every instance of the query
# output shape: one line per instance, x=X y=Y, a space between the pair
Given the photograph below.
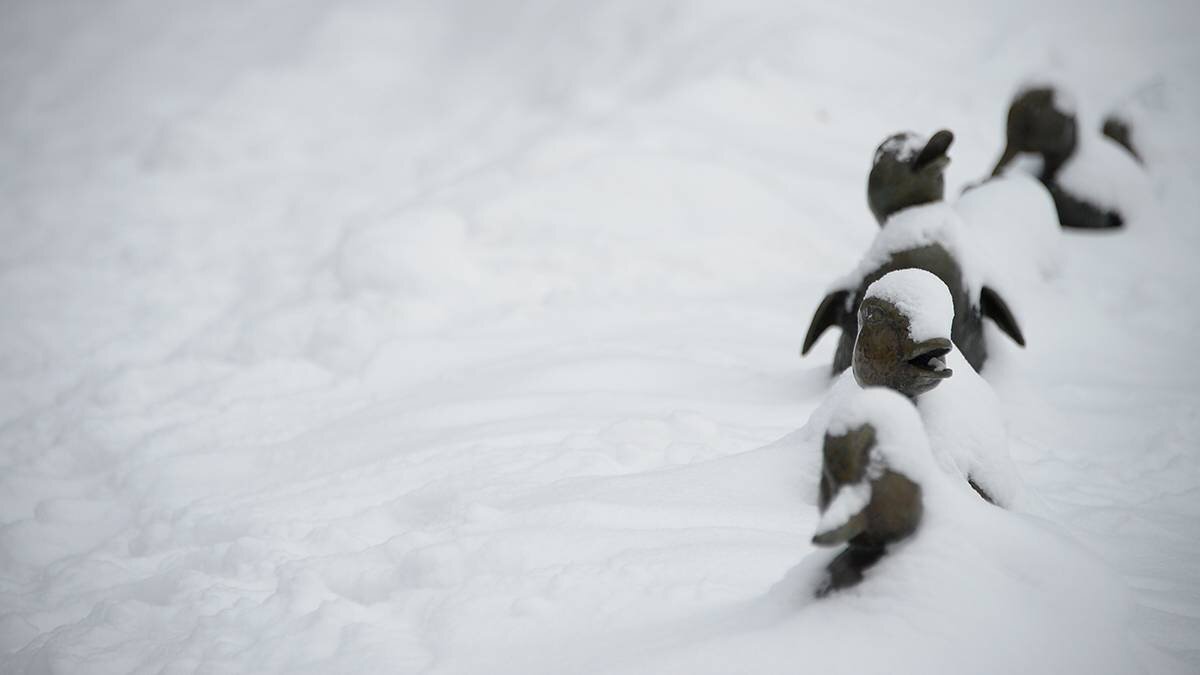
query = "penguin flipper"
x=828 y=314
x=995 y=308
x=1118 y=129
x=1077 y=213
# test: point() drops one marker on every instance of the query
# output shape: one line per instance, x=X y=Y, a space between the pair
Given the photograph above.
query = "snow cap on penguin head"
x=919 y=295
x=907 y=170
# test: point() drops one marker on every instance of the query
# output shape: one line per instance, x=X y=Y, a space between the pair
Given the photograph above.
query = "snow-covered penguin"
x=904 y=344
x=908 y=533
x=1095 y=181
x=874 y=459
x=920 y=230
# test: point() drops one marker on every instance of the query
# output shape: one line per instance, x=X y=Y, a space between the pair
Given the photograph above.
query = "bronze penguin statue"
x=905 y=191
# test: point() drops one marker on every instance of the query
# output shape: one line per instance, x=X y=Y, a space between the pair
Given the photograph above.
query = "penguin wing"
x=828 y=313
x=995 y=308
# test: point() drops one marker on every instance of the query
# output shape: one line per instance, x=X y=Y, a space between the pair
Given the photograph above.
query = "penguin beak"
x=929 y=357
x=933 y=155
x=851 y=529
x=938 y=164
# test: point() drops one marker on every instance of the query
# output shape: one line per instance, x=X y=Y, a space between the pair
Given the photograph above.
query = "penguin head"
x=904 y=330
x=908 y=170
x=875 y=455
x=1041 y=122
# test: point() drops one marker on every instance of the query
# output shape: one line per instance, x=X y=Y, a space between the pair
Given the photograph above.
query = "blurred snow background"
x=401 y=336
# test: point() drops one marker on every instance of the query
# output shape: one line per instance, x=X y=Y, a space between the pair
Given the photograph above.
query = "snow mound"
x=1013 y=218
x=366 y=337
x=922 y=297
x=965 y=425
x=1104 y=173
x=971 y=574
x=900 y=440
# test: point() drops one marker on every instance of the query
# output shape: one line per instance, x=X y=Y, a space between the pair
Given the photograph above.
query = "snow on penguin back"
x=1013 y=218
x=934 y=224
x=1103 y=173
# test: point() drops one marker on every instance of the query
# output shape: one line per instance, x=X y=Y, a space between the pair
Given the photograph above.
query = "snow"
x=905 y=146
x=900 y=440
x=1012 y=217
x=959 y=542
x=458 y=338
x=963 y=422
x=849 y=500
x=965 y=425
x=1105 y=174
x=916 y=226
x=920 y=296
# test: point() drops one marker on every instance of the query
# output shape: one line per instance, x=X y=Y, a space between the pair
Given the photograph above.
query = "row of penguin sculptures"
x=908 y=411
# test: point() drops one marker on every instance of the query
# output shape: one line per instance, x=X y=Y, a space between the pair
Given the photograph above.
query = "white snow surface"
x=849 y=500
x=1105 y=174
x=901 y=443
x=922 y=297
x=964 y=421
x=457 y=337
x=1014 y=224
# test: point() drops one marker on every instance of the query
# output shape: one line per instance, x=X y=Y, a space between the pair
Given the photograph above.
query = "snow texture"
x=922 y=297
x=916 y=226
x=965 y=424
x=849 y=500
x=457 y=337
x=905 y=146
x=1105 y=174
x=1012 y=220
x=900 y=440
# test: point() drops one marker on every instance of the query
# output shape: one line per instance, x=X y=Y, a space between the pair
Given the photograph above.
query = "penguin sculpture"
x=905 y=191
x=904 y=344
x=899 y=528
x=1094 y=178
x=874 y=456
